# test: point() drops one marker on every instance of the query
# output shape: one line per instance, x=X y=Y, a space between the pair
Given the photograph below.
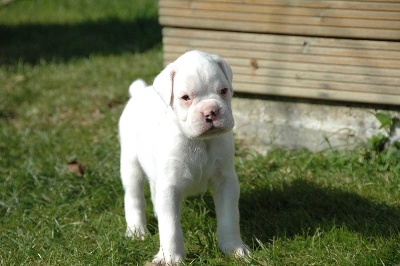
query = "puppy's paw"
x=238 y=249
x=242 y=250
x=136 y=233
x=170 y=260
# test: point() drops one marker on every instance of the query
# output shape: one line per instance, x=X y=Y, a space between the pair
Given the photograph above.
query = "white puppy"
x=177 y=135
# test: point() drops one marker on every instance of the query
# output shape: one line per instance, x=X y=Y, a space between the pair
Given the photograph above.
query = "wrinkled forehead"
x=201 y=74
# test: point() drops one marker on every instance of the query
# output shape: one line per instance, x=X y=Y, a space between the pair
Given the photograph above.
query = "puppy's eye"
x=224 y=91
x=185 y=98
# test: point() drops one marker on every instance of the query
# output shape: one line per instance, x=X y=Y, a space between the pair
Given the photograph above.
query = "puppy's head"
x=198 y=87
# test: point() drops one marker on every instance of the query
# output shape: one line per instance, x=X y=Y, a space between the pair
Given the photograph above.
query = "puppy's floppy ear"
x=164 y=83
x=224 y=66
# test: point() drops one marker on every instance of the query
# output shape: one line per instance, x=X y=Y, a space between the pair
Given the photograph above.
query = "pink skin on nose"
x=210 y=112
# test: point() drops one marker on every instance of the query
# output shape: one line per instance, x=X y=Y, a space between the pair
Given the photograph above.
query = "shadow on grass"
x=31 y=43
x=301 y=207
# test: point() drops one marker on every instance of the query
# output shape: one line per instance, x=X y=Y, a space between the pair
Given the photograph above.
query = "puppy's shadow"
x=302 y=206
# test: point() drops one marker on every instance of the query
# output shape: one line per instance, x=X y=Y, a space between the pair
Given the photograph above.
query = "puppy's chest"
x=202 y=166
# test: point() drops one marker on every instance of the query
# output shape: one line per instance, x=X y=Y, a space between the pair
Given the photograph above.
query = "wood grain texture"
x=344 y=19
x=295 y=66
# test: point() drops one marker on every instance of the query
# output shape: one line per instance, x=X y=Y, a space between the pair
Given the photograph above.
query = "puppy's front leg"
x=168 y=207
x=226 y=200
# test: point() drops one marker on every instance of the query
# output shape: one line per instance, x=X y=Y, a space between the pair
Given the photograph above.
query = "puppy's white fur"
x=177 y=135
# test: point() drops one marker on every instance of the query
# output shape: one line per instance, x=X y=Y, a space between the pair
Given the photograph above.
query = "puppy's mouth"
x=212 y=130
x=205 y=127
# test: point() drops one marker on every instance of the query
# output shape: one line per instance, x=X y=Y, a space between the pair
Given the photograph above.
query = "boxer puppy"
x=177 y=136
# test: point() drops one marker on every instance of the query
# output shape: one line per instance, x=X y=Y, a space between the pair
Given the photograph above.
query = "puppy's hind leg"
x=133 y=180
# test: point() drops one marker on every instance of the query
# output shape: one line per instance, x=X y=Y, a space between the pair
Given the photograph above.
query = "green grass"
x=65 y=68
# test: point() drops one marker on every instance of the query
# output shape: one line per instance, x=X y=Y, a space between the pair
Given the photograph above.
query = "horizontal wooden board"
x=349 y=19
x=381 y=5
x=375 y=98
x=319 y=68
x=279 y=19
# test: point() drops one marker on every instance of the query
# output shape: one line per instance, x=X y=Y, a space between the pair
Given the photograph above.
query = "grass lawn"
x=65 y=68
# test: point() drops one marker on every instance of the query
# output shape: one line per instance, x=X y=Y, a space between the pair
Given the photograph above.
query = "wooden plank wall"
x=308 y=49
x=352 y=19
